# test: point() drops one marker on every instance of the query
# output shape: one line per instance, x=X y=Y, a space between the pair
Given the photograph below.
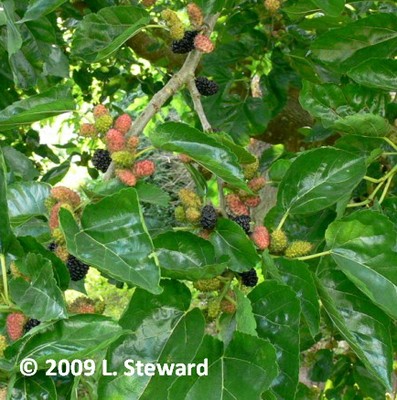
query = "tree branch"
x=173 y=85
x=194 y=93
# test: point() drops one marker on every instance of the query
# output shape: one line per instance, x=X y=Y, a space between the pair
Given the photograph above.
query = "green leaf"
x=38 y=297
x=181 y=138
x=114 y=239
x=38 y=8
x=14 y=39
x=35 y=387
x=270 y=155
x=278 y=170
x=364 y=145
x=19 y=164
x=26 y=201
x=56 y=174
x=183 y=255
x=245 y=320
x=243 y=155
x=229 y=239
x=363 y=325
x=298 y=277
x=330 y=102
x=331 y=7
x=163 y=332
x=49 y=103
x=69 y=339
x=99 y=35
x=152 y=194
x=364 y=125
x=378 y=73
x=358 y=41
x=251 y=359
x=321 y=177
x=5 y=228
x=363 y=246
x=277 y=314
x=61 y=273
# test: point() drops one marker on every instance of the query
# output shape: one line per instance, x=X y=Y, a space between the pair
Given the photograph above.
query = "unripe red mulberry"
x=272 y=6
x=104 y=123
x=261 y=237
x=236 y=206
x=205 y=234
x=132 y=143
x=82 y=305
x=15 y=325
x=195 y=14
x=227 y=306
x=100 y=110
x=115 y=140
x=144 y=168
x=148 y=3
x=184 y=158
x=203 y=44
x=298 y=248
x=54 y=215
x=123 y=159
x=126 y=176
x=88 y=130
x=252 y=201
x=123 y=123
x=65 y=195
x=3 y=346
x=257 y=184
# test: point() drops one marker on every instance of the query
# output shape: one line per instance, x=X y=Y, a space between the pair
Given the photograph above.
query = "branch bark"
x=173 y=85
x=194 y=93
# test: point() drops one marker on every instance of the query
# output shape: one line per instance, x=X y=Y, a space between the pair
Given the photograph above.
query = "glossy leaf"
x=363 y=325
x=152 y=194
x=101 y=34
x=49 y=103
x=61 y=273
x=19 y=164
x=202 y=148
x=68 y=339
x=183 y=255
x=39 y=296
x=230 y=239
x=277 y=314
x=298 y=277
x=56 y=174
x=245 y=320
x=364 y=145
x=331 y=7
x=163 y=332
x=321 y=177
x=378 y=73
x=35 y=387
x=38 y=8
x=243 y=155
x=251 y=359
x=364 y=125
x=113 y=238
x=5 y=228
x=375 y=35
x=26 y=201
x=363 y=245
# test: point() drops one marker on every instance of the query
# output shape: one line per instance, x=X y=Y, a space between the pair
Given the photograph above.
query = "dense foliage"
x=276 y=262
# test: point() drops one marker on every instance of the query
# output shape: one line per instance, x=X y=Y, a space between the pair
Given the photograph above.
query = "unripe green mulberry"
x=3 y=345
x=298 y=248
x=214 y=308
x=193 y=215
x=50 y=202
x=207 y=285
x=278 y=241
x=123 y=159
x=180 y=215
x=177 y=31
x=58 y=236
x=104 y=123
x=189 y=198
x=250 y=169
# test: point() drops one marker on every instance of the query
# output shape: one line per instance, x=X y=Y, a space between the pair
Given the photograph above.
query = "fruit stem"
x=390 y=143
x=198 y=107
x=285 y=216
x=221 y=196
x=5 y=280
x=385 y=189
x=150 y=148
x=311 y=256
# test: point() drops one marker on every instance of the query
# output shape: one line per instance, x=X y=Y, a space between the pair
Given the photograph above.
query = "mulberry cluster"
x=208 y=217
x=186 y=44
x=278 y=241
x=261 y=237
x=77 y=269
x=172 y=20
x=272 y=5
x=190 y=209
x=82 y=305
x=298 y=248
x=207 y=285
x=15 y=324
x=205 y=86
x=244 y=221
x=101 y=160
x=203 y=43
x=195 y=14
x=31 y=324
x=249 y=278
x=3 y=346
